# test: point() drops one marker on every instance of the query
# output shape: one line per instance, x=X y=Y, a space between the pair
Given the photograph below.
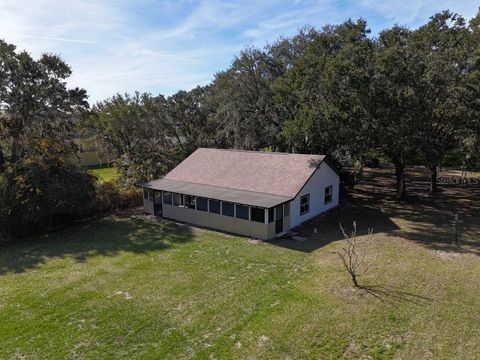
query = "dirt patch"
x=349 y=292
x=263 y=340
x=125 y=294
x=443 y=254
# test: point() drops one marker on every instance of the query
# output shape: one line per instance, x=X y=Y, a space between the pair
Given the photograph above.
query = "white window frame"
x=307 y=204
x=328 y=188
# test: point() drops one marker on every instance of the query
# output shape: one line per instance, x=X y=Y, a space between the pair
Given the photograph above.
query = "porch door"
x=278 y=219
x=157 y=203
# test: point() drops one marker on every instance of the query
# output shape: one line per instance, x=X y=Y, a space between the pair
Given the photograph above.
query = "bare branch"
x=352 y=255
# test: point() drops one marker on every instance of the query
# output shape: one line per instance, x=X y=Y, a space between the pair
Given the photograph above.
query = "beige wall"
x=216 y=221
x=220 y=222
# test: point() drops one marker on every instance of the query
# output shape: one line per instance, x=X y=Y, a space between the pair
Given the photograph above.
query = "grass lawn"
x=135 y=287
x=104 y=173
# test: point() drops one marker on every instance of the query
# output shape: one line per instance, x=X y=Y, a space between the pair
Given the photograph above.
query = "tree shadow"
x=428 y=219
x=325 y=228
x=105 y=237
x=392 y=294
x=439 y=235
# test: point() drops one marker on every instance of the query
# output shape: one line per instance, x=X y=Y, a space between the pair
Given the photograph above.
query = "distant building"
x=257 y=194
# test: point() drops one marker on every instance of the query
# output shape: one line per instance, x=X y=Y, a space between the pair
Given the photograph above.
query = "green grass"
x=133 y=287
x=104 y=173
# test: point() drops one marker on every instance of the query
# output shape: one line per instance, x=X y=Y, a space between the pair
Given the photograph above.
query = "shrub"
x=34 y=199
x=112 y=196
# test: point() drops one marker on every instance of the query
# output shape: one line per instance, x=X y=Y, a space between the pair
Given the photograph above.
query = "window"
x=178 y=199
x=257 y=214
x=328 y=194
x=150 y=194
x=227 y=209
x=242 y=212
x=304 y=204
x=214 y=206
x=167 y=198
x=270 y=215
x=145 y=193
x=202 y=204
x=190 y=201
x=286 y=209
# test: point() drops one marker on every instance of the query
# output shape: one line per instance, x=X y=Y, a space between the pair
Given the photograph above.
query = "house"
x=252 y=193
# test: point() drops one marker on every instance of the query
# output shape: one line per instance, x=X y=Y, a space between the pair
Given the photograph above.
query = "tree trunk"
x=2 y=160
x=433 y=179
x=354 y=278
x=400 y=176
x=15 y=151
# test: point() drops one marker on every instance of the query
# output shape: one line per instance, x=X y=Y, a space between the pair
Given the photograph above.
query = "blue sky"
x=163 y=46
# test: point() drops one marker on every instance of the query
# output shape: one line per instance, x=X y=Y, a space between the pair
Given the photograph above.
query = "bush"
x=35 y=199
x=112 y=196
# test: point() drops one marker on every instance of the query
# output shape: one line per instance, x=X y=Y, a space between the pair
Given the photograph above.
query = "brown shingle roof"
x=265 y=172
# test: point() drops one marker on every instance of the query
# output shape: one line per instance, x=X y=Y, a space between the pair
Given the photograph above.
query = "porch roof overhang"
x=239 y=196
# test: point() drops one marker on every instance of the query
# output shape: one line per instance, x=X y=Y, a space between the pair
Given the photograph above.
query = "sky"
x=116 y=46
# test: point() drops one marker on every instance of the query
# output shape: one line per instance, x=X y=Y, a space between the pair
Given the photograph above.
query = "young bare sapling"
x=353 y=253
x=455 y=229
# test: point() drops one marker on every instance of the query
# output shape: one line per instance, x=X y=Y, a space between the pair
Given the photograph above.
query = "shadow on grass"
x=430 y=217
x=328 y=227
x=436 y=233
x=106 y=237
x=427 y=219
x=392 y=294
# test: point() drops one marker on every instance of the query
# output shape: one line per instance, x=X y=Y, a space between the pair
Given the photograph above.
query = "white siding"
x=315 y=186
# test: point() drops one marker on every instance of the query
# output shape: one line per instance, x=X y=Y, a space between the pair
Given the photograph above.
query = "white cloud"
x=111 y=50
x=293 y=18
x=56 y=39
x=163 y=46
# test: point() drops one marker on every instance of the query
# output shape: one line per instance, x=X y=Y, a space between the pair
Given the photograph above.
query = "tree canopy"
x=407 y=96
x=38 y=185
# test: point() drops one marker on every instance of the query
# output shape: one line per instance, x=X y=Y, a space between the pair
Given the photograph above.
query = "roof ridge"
x=260 y=152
